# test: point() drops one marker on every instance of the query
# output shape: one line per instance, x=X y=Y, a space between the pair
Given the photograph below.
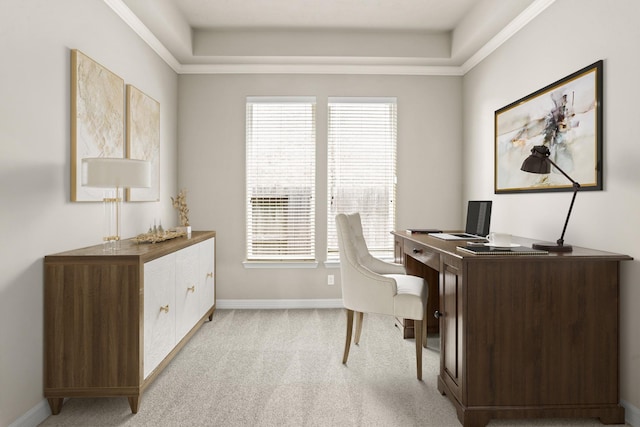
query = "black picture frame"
x=566 y=116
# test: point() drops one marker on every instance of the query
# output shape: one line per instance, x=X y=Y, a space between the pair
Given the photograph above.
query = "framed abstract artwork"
x=566 y=117
x=97 y=119
x=143 y=140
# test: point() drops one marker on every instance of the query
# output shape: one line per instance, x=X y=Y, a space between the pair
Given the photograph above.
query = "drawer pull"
x=417 y=251
x=191 y=288
x=437 y=314
x=165 y=308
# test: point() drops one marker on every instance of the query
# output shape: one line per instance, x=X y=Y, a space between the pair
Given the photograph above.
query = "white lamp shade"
x=114 y=172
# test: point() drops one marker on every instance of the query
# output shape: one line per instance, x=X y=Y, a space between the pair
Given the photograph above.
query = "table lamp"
x=114 y=174
x=539 y=162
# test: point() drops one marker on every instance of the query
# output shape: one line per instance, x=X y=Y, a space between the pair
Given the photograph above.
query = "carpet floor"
x=283 y=368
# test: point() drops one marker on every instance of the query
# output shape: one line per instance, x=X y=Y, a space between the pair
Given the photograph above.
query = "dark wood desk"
x=526 y=336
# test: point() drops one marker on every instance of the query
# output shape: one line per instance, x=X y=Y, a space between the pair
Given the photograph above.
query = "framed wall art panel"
x=97 y=119
x=566 y=116
x=143 y=140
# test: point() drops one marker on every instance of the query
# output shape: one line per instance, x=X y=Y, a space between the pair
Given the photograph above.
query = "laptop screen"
x=478 y=217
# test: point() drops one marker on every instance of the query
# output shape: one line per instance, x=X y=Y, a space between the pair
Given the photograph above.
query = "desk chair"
x=370 y=285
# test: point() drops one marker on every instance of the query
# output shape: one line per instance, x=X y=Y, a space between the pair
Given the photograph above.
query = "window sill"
x=280 y=264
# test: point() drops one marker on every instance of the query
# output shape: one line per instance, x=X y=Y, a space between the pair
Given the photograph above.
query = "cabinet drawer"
x=422 y=254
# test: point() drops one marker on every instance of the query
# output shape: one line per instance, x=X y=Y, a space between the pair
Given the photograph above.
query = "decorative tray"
x=158 y=237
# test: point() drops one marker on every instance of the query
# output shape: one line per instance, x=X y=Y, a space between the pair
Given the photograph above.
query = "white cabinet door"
x=159 y=310
x=188 y=291
x=207 y=274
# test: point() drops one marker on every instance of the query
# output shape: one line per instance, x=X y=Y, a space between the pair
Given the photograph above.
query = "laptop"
x=478 y=221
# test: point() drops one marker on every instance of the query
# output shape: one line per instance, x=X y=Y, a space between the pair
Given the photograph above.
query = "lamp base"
x=552 y=247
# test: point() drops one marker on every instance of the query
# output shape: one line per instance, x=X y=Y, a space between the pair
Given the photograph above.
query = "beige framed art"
x=97 y=119
x=143 y=140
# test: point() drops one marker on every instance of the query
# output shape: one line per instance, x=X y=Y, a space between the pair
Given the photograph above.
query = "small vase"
x=186 y=229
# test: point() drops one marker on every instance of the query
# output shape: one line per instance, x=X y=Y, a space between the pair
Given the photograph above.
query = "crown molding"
x=506 y=33
x=320 y=66
x=123 y=11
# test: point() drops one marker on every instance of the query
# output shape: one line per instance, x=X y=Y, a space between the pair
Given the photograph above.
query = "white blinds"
x=280 y=178
x=362 y=137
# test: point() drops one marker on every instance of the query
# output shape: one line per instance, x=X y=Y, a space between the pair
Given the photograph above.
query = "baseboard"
x=256 y=304
x=34 y=416
x=631 y=413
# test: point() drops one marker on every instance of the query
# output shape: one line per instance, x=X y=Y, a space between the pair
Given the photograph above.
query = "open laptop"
x=478 y=221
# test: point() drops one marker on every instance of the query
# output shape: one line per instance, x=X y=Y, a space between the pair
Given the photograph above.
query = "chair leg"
x=347 y=343
x=424 y=330
x=359 y=318
x=418 y=334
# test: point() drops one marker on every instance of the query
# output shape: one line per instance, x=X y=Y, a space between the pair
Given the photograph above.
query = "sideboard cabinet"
x=114 y=320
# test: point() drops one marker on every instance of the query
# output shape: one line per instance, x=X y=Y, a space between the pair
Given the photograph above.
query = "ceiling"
x=329 y=36
x=376 y=14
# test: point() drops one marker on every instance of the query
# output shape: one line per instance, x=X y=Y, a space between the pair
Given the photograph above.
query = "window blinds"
x=362 y=137
x=280 y=178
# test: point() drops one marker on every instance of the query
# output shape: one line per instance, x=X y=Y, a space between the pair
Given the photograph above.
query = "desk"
x=523 y=336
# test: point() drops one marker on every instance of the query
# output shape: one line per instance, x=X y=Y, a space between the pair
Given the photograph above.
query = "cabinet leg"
x=134 y=401
x=612 y=416
x=55 y=404
x=474 y=419
x=441 y=387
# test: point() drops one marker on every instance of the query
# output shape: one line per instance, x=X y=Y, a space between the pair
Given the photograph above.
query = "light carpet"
x=284 y=368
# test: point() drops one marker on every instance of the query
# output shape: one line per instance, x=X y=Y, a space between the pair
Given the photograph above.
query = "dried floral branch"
x=180 y=203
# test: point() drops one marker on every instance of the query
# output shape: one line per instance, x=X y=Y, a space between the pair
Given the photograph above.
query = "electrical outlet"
x=331 y=280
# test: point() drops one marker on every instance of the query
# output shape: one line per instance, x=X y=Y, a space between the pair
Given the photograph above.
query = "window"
x=280 y=178
x=362 y=137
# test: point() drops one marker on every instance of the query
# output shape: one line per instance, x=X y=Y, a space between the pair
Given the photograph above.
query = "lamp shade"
x=538 y=161
x=108 y=172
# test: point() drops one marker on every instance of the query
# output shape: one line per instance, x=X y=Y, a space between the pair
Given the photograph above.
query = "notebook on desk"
x=488 y=250
x=478 y=222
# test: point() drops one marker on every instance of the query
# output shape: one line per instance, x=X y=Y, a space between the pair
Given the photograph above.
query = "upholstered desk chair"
x=370 y=285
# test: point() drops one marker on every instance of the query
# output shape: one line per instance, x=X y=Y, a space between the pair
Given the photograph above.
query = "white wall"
x=36 y=216
x=212 y=158
x=566 y=37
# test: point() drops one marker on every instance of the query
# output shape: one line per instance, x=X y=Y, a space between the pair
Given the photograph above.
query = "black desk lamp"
x=539 y=162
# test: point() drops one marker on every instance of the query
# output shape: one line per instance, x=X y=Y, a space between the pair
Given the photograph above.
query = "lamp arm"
x=576 y=187
x=575 y=184
x=573 y=199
